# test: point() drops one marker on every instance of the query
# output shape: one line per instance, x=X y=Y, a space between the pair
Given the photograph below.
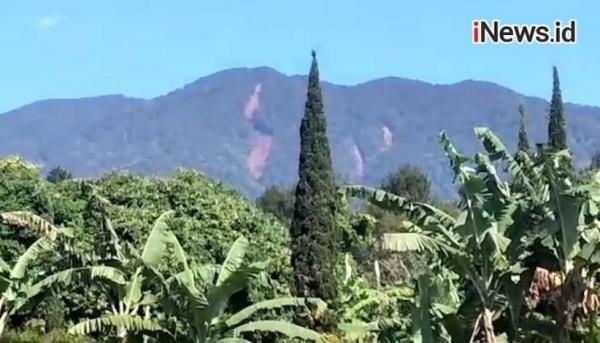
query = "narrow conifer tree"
x=523 y=144
x=313 y=224
x=557 y=134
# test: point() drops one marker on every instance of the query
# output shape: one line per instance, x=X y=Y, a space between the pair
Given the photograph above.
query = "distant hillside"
x=241 y=126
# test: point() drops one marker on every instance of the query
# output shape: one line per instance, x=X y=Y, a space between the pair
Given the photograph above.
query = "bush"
x=34 y=336
x=409 y=182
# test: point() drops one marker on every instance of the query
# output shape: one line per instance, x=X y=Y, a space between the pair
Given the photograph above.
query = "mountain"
x=241 y=126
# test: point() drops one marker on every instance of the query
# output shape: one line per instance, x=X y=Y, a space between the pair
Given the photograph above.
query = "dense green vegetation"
x=279 y=201
x=126 y=258
x=207 y=219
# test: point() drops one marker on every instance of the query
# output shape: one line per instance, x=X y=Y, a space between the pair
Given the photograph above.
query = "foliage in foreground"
x=507 y=234
x=192 y=299
x=19 y=284
x=208 y=219
x=36 y=336
x=518 y=259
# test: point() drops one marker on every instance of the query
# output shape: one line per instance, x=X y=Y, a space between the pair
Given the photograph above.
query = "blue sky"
x=145 y=48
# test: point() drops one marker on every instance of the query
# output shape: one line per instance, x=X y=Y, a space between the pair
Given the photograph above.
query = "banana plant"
x=484 y=226
x=20 y=284
x=204 y=293
x=369 y=312
x=562 y=218
x=572 y=231
x=475 y=243
x=426 y=230
x=159 y=277
x=130 y=289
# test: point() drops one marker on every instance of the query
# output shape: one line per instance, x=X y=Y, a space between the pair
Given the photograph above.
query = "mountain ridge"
x=240 y=125
x=375 y=80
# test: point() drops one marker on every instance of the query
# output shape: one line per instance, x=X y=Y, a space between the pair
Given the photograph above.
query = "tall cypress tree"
x=523 y=144
x=313 y=224
x=557 y=134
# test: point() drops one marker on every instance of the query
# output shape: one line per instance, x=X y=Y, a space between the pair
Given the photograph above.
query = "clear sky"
x=145 y=48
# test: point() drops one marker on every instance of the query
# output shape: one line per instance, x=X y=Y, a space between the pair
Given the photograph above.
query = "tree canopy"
x=410 y=182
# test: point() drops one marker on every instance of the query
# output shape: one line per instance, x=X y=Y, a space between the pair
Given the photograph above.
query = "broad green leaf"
x=410 y=241
x=567 y=216
x=234 y=260
x=66 y=277
x=207 y=273
x=497 y=151
x=129 y=322
x=148 y=299
x=434 y=212
x=133 y=288
x=160 y=241
x=32 y=253
x=499 y=244
x=419 y=213
x=493 y=181
x=287 y=329
x=195 y=296
x=456 y=159
x=218 y=296
x=278 y=303
x=32 y=222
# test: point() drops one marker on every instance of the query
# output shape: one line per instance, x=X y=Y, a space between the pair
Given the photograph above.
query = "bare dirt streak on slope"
x=387 y=137
x=263 y=136
x=259 y=155
x=359 y=162
x=253 y=104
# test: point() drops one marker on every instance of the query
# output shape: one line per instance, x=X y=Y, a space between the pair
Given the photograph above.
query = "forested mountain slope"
x=241 y=126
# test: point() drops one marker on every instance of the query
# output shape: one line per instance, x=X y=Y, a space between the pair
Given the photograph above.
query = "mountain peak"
x=227 y=76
